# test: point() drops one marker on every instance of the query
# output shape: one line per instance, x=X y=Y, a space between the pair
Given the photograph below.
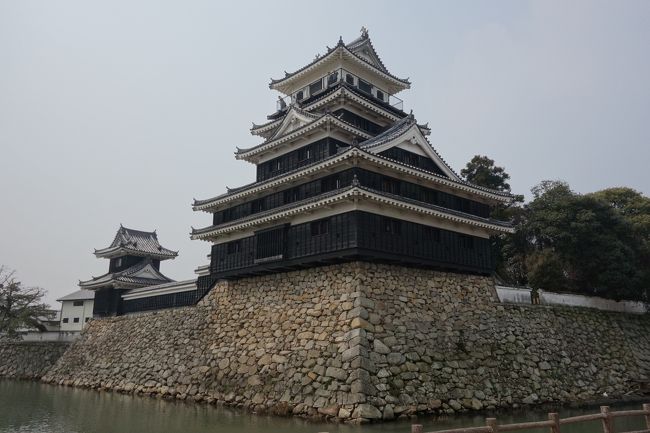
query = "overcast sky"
x=123 y=111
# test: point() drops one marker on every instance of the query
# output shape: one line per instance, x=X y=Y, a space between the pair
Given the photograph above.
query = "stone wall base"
x=27 y=359
x=360 y=341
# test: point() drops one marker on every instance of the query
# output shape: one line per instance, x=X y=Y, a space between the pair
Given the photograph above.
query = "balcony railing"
x=326 y=82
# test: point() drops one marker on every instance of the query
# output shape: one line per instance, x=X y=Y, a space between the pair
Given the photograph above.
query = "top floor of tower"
x=356 y=64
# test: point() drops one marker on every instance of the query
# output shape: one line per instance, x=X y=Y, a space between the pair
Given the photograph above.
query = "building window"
x=319 y=227
x=349 y=79
x=66 y=320
x=380 y=95
x=269 y=244
x=257 y=205
x=118 y=262
x=390 y=186
x=300 y=95
x=77 y=303
x=86 y=319
x=332 y=79
x=233 y=247
x=315 y=87
x=392 y=226
x=304 y=154
x=75 y=320
x=365 y=87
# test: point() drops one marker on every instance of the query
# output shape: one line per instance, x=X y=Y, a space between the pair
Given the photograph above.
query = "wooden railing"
x=554 y=422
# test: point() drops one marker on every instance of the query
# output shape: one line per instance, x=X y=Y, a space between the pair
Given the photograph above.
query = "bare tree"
x=20 y=306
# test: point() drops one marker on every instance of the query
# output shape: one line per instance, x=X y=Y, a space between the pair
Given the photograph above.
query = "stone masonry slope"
x=361 y=341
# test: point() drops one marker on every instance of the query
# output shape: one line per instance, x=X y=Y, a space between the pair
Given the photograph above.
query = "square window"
x=390 y=186
x=66 y=320
x=319 y=227
x=315 y=87
x=86 y=319
x=333 y=78
x=365 y=87
x=392 y=226
x=77 y=303
x=75 y=320
x=233 y=247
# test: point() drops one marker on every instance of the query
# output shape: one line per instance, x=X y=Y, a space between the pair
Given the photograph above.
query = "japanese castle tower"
x=134 y=263
x=343 y=174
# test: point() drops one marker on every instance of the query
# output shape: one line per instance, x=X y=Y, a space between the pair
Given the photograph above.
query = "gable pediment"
x=414 y=141
x=147 y=272
x=367 y=53
x=293 y=120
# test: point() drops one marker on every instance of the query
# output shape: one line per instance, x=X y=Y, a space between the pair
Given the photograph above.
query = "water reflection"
x=39 y=408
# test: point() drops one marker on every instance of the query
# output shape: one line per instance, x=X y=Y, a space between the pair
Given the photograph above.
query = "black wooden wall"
x=313 y=152
x=356 y=234
x=343 y=179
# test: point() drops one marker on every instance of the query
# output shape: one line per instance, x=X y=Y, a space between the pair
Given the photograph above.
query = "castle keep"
x=351 y=280
x=344 y=174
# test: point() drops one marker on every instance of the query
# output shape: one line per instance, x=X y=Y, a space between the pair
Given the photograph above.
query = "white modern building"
x=76 y=310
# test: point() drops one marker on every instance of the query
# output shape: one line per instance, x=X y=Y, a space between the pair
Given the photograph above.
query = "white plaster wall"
x=515 y=295
x=69 y=311
x=50 y=336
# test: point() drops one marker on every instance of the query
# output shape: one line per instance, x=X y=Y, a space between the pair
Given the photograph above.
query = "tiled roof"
x=400 y=127
x=127 y=277
x=318 y=120
x=79 y=295
x=355 y=188
x=136 y=242
x=364 y=41
x=350 y=48
x=161 y=289
x=467 y=186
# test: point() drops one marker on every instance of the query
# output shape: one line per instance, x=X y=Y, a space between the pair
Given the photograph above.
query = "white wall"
x=516 y=295
x=70 y=312
x=49 y=336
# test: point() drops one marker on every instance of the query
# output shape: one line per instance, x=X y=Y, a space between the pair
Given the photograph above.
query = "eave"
x=395 y=135
x=343 y=91
x=161 y=289
x=260 y=130
x=354 y=192
x=253 y=154
x=284 y=85
x=112 y=252
x=211 y=205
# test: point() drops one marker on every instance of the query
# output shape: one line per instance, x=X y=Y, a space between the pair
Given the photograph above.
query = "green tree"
x=582 y=243
x=482 y=171
x=631 y=204
x=507 y=249
x=20 y=306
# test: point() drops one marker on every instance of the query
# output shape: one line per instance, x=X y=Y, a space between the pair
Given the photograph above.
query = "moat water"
x=39 y=408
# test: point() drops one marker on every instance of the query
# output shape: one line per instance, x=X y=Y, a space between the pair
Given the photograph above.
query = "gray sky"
x=123 y=111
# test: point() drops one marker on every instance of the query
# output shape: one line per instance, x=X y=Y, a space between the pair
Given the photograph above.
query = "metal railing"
x=314 y=89
x=553 y=424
